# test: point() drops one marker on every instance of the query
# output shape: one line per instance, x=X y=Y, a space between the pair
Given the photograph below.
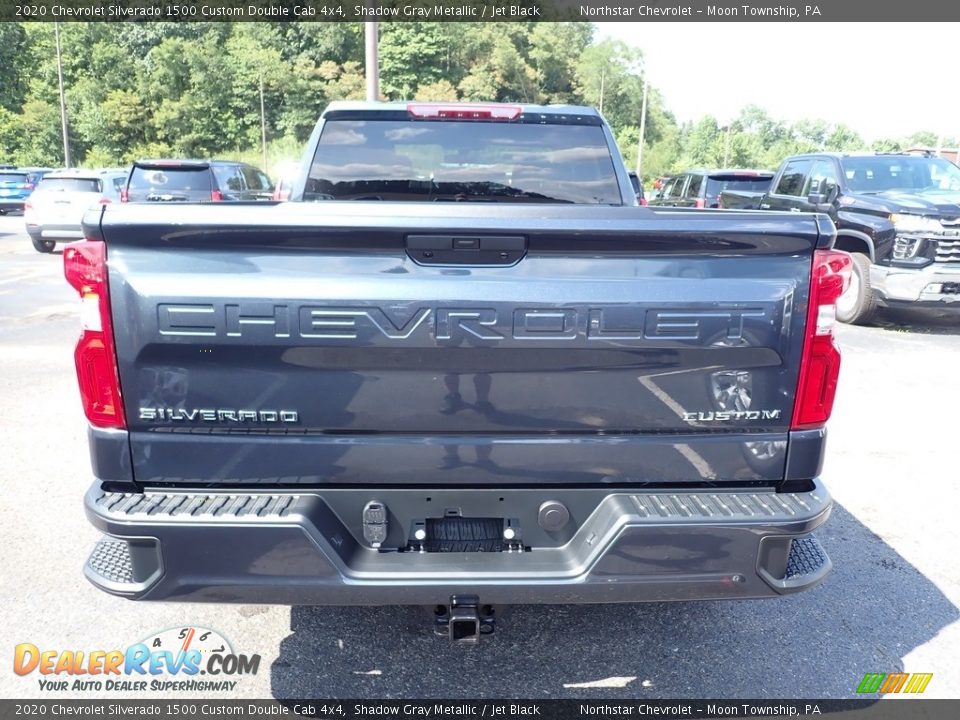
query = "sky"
x=881 y=79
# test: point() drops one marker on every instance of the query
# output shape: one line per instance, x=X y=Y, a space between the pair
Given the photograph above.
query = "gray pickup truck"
x=462 y=368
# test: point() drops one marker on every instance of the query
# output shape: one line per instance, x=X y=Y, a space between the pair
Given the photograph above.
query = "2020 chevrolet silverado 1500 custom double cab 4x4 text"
x=461 y=367
x=898 y=215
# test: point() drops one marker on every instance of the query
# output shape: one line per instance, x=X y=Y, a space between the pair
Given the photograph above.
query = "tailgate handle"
x=466 y=249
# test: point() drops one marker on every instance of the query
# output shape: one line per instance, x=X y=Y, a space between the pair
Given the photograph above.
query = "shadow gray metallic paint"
x=580 y=364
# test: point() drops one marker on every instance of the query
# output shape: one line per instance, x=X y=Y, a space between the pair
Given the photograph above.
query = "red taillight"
x=29 y=186
x=699 y=203
x=464 y=112
x=27 y=205
x=85 y=267
x=643 y=202
x=124 y=196
x=105 y=201
x=820 y=363
x=216 y=195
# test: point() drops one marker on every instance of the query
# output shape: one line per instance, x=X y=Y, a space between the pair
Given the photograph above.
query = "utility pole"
x=63 y=101
x=372 y=65
x=726 y=145
x=603 y=78
x=643 y=128
x=263 y=126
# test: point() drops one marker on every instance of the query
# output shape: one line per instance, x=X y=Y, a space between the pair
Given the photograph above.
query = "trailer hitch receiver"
x=464 y=620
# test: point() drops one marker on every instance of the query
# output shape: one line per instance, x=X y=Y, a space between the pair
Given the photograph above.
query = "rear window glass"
x=70 y=184
x=462 y=161
x=716 y=185
x=255 y=179
x=170 y=179
x=228 y=177
x=13 y=177
x=677 y=190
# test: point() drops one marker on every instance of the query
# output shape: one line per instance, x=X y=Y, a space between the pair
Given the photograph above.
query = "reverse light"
x=432 y=111
x=85 y=267
x=820 y=362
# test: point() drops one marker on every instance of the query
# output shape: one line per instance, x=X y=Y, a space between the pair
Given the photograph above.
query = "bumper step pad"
x=789 y=564
x=124 y=567
x=110 y=560
x=807 y=557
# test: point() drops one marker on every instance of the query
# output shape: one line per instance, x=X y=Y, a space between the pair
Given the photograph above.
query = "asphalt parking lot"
x=892 y=603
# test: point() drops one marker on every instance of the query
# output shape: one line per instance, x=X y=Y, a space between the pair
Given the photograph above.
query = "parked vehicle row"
x=196 y=181
x=897 y=214
x=55 y=209
x=702 y=188
x=54 y=202
x=16 y=185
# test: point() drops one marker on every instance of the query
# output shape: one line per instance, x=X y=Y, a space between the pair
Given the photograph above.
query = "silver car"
x=56 y=208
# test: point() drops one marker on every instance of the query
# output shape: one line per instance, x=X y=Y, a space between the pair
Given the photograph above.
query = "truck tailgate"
x=320 y=344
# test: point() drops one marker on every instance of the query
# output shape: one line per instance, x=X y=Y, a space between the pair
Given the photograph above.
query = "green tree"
x=609 y=75
x=923 y=138
x=492 y=65
x=188 y=85
x=40 y=140
x=13 y=60
x=119 y=125
x=887 y=145
x=439 y=91
x=343 y=82
x=411 y=54
x=554 y=52
x=305 y=96
x=703 y=143
x=843 y=138
x=10 y=134
x=254 y=59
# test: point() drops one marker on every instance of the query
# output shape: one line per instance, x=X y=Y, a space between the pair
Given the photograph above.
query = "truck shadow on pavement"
x=871 y=612
x=934 y=321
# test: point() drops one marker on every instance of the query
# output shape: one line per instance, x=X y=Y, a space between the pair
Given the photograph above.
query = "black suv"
x=195 y=181
x=702 y=188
